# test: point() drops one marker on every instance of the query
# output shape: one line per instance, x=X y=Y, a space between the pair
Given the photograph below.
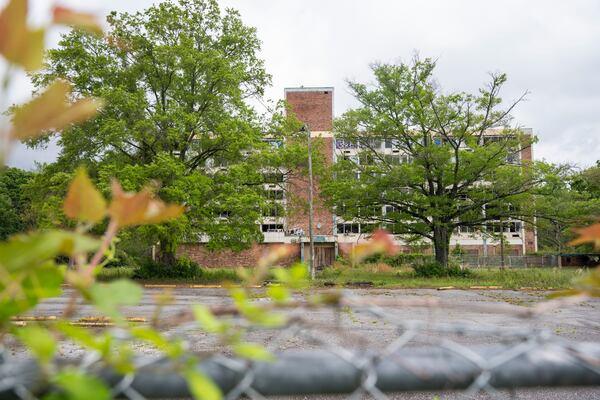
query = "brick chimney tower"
x=314 y=107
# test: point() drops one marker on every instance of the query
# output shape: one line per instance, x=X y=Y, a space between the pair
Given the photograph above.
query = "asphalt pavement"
x=356 y=327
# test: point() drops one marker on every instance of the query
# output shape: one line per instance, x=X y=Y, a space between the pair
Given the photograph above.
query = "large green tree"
x=568 y=198
x=449 y=171
x=176 y=79
x=14 y=205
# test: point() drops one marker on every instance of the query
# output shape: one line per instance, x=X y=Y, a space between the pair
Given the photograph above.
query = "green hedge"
x=183 y=268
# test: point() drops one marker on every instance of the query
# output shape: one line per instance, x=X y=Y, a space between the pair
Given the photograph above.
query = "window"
x=390 y=209
x=347 y=228
x=273 y=178
x=224 y=214
x=391 y=144
x=272 y=210
x=366 y=158
x=513 y=157
x=352 y=158
x=272 y=227
x=274 y=194
x=466 y=229
x=515 y=227
x=374 y=143
x=392 y=159
x=397 y=159
x=395 y=229
x=370 y=211
x=344 y=144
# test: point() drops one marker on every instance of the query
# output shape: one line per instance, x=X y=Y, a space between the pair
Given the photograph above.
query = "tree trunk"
x=441 y=244
x=168 y=252
x=502 y=264
x=559 y=244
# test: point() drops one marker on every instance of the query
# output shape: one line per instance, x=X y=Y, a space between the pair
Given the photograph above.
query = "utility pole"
x=311 y=266
x=502 y=266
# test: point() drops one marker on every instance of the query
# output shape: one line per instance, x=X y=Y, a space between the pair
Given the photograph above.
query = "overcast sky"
x=550 y=48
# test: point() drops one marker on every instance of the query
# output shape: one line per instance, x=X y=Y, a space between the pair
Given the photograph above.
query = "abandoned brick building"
x=314 y=107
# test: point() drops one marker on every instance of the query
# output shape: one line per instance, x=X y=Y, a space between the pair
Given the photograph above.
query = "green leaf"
x=78 y=334
x=207 y=320
x=173 y=349
x=201 y=386
x=43 y=282
x=28 y=251
x=39 y=340
x=78 y=386
x=295 y=277
x=108 y=297
x=278 y=293
x=261 y=317
x=253 y=351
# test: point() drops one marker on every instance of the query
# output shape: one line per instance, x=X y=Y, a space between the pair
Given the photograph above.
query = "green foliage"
x=207 y=320
x=37 y=339
x=457 y=250
x=401 y=259
x=175 y=78
x=109 y=297
x=76 y=385
x=29 y=261
x=253 y=351
x=434 y=269
x=432 y=186
x=540 y=278
x=567 y=198
x=184 y=268
x=212 y=121
x=201 y=386
x=14 y=207
x=45 y=192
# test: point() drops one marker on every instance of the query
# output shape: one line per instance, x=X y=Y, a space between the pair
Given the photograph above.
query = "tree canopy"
x=14 y=210
x=458 y=159
x=175 y=79
x=567 y=198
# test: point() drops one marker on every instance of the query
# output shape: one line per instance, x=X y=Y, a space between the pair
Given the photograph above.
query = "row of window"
x=342 y=144
x=346 y=228
x=495 y=227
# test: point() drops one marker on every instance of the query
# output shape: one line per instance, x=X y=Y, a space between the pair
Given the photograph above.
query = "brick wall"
x=198 y=253
x=314 y=107
x=530 y=236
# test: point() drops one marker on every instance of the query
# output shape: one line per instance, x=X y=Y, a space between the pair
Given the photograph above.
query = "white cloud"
x=551 y=48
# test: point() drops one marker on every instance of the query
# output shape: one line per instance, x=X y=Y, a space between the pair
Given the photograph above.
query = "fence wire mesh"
x=318 y=352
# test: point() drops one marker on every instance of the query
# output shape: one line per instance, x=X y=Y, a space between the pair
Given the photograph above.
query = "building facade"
x=314 y=107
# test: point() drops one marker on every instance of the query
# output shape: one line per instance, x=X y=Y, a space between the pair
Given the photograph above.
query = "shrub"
x=406 y=259
x=436 y=270
x=183 y=268
x=380 y=267
x=122 y=259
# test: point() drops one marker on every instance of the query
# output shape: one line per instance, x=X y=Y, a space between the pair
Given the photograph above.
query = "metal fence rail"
x=308 y=372
x=509 y=261
x=515 y=357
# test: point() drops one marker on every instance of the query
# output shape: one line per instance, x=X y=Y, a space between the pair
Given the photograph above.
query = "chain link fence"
x=475 y=261
x=423 y=354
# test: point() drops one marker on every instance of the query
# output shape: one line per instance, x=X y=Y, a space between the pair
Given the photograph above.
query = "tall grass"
x=207 y=276
x=539 y=278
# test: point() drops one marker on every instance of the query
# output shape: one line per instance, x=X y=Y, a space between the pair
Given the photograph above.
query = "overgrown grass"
x=109 y=274
x=384 y=276
x=208 y=276
x=539 y=278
